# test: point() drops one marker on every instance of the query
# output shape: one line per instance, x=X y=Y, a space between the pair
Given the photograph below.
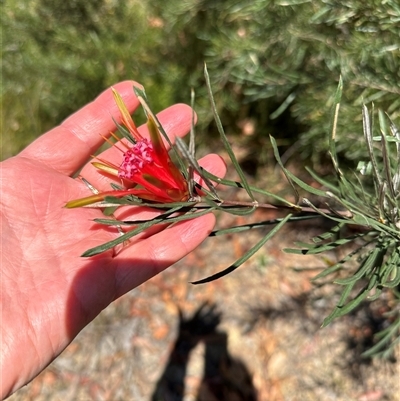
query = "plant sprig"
x=366 y=201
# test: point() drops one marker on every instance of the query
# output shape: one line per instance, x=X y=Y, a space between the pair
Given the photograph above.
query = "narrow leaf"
x=260 y=224
x=192 y=147
x=388 y=335
x=385 y=154
x=334 y=120
x=247 y=255
x=143 y=226
x=339 y=265
x=195 y=165
x=336 y=312
x=239 y=211
x=320 y=248
x=278 y=159
x=373 y=260
x=286 y=103
x=124 y=132
x=330 y=217
x=292 y=178
x=369 y=139
x=224 y=139
x=321 y=181
x=343 y=310
x=236 y=184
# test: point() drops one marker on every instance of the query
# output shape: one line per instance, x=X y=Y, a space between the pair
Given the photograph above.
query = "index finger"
x=66 y=148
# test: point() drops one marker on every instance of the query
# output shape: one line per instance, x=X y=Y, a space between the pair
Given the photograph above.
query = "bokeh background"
x=274 y=67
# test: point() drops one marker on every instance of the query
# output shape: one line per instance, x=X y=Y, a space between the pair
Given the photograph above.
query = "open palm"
x=48 y=292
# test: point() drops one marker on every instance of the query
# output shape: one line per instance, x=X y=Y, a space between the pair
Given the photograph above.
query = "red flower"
x=146 y=165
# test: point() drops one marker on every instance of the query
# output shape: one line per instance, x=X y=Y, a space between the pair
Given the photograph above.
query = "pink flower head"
x=135 y=159
x=146 y=167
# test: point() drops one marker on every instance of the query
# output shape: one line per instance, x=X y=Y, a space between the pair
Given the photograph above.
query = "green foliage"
x=58 y=56
x=364 y=207
x=272 y=62
x=367 y=203
x=279 y=61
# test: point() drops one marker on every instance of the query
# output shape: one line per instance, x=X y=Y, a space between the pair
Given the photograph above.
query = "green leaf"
x=238 y=211
x=391 y=277
x=131 y=200
x=236 y=184
x=109 y=211
x=321 y=181
x=385 y=154
x=338 y=309
x=369 y=263
x=285 y=104
x=333 y=232
x=224 y=139
x=141 y=227
x=367 y=128
x=363 y=220
x=246 y=256
x=389 y=335
x=292 y=178
x=121 y=239
x=396 y=133
x=333 y=124
x=261 y=224
x=124 y=132
x=195 y=165
x=339 y=265
x=288 y=177
x=320 y=248
x=192 y=147
x=342 y=310
x=322 y=213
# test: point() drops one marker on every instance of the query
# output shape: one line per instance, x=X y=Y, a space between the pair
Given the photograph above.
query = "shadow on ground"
x=224 y=377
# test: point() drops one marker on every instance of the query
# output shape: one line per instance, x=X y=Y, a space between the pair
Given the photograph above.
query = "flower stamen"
x=136 y=158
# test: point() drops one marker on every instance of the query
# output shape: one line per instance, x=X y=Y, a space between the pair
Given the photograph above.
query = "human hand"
x=48 y=292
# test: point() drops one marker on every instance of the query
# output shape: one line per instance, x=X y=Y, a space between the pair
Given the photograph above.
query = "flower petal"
x=126 y=117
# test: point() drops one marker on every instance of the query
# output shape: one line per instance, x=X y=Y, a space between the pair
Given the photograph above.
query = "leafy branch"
x=364 y=205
